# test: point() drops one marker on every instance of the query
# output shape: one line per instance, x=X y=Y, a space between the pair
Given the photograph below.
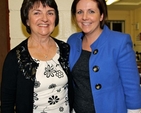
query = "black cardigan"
x=18 y=78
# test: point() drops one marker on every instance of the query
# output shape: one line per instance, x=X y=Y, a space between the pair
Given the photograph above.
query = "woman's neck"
x=90 y=38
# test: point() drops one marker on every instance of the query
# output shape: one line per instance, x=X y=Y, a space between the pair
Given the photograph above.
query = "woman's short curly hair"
x=28 y=4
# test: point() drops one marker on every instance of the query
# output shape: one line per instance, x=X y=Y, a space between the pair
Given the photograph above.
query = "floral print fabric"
x=51 y=88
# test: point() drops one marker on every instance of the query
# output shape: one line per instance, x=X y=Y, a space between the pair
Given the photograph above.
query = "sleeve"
x=8 y=85
x=134 y=111
x=129 y=74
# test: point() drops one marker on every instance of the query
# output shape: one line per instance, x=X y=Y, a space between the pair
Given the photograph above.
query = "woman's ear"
x=101 y=17
x=27 y=22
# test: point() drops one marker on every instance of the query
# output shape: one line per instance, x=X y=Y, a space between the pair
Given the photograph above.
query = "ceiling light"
x=109 y=2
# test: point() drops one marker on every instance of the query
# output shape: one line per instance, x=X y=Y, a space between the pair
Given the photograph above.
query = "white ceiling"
x=125 y=5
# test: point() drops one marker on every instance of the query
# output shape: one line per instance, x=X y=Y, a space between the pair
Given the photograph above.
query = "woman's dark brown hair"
x=101 y=4
x=28 y=4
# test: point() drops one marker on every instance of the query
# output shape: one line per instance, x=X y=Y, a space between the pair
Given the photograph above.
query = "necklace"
x=40 y=49
x=45 y=55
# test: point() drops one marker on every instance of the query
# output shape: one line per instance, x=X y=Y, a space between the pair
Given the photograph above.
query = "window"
x=116 y=25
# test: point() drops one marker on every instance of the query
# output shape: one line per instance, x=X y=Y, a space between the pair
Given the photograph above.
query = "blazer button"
x=95 y=68
x=98 y=86
x=95 y=51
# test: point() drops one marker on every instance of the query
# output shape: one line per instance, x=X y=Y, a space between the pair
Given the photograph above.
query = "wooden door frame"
x=4 y=32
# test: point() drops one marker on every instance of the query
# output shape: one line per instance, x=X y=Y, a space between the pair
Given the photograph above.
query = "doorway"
x=116 y=25
x=4 y=32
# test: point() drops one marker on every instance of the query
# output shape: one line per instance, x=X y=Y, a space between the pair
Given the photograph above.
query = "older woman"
x=35 y=73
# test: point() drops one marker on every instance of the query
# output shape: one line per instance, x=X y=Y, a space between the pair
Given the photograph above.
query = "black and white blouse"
x=51 y=88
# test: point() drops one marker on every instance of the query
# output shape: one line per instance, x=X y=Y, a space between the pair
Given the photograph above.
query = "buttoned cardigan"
x=18 y=77
x=114 y=77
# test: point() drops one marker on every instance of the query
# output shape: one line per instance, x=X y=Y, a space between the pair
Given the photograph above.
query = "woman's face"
x=88 y=16
x=41 y=20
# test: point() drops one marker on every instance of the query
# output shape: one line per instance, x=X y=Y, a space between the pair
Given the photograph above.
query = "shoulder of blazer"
x=75 y=36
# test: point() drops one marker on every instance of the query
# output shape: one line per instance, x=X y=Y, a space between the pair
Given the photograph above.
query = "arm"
x=8 y=86
x=134 y=111
x=129 y=74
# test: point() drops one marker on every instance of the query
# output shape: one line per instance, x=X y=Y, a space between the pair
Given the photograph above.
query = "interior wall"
x=65 y=27
x=18 y=32
x=122 y=15
x=137 y=25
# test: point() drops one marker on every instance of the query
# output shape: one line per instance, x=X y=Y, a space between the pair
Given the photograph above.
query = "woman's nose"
x=85 y=16
x=45 y=17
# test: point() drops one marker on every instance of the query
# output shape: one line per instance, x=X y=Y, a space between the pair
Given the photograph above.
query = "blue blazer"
x=114 y=76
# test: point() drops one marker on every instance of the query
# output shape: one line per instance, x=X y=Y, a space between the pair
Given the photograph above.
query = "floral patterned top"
x=19 y=76
x=51 y=88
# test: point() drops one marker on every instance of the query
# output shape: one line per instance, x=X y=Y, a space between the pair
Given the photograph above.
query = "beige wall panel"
x=15 y=4
x=17 y=30
x=138 y=30
x=65 y=27
x=64 y=4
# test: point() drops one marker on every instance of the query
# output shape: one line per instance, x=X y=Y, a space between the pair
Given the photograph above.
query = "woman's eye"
x=51 y=13
x=91 y=11
x=36 y=13
x=79 y=12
